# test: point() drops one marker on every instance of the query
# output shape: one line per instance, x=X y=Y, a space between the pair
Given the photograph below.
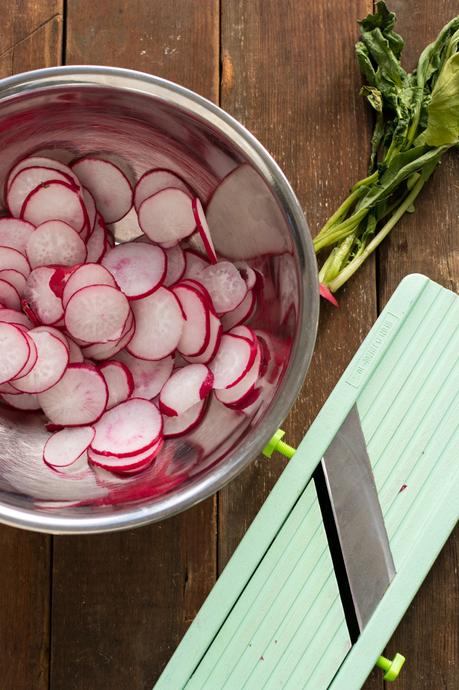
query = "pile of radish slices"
x=120 y=346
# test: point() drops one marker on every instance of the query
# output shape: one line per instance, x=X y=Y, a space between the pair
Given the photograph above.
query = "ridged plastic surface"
x=274 y=619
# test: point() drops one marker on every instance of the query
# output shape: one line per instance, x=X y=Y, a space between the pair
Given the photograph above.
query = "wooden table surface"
x=90 y=613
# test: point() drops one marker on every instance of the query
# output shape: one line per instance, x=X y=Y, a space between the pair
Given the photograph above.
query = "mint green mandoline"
x=274 y=619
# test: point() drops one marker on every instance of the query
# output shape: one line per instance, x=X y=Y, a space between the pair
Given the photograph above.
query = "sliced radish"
x=247 y=274
x=22 y=401
x=196 y=329
x=159 y=325
x=125 y=465
x=251 y=397
x=14 y=278
x=215 y=334
x=167 y=216
x=203 y=229
x=39 y=162
x=90 y=208
x=233 y=360
x=195 y=264
x=245 y=332
x=65 y=447
x=75 y=353
x=185 y=388
x=128 y=429
x=51 y=363
x=175 y=265
x=40 y=300
x=138 y=269
x=79 y=398
x=97 y=314
x=185 y=422
x=108 y=185
x=16 y=317
x=55 y=242
x=97 y=242
x=54 y=200
x=26 y=181
x=235 y=394
x=225 y=286
x=15 y=233
x=13 y=259
x=149 y=377
x=14 y=351
x=101 y=351
x=84 y=276
x=59 y=278
x=242 y=313
x=154 y=181
x=119 y=380
x=9 y=296
x=57 y=334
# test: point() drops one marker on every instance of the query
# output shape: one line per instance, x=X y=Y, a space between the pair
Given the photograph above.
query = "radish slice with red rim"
x=9 y=296
x=235 y=394
x=97 y=314
x=75 y=353
x=184 y=423
x=245 y=332
x=97 y=242
x=215 y=334
x=149 y=377
x=128 y=429
x=108 y=185
x=79 y=398
x=175 y=265
x=39 y=162
x=247 y=400
x=64 y=448
x=225 y=286
x=158 y=325
x=167 y=216
x=59 y=278
x=14 y=316
x=203 y=229
x=29 y=179
x=138 y=269
x=233 y=360
x=57 y=334
x=195 y=264
x=22 y=401
x=90 y=208
x=247 y=274
x=15 y=233
x=52 y=361
x=119 y=380
x=196 y=329
x=125 y=465
x=101 y=351
x=185 y=388
x=242 y=313
x=13 y=259
x=40 y=299
x=154 y=181
x=85 y=276
x=55 y=242
x=14 y=351
x=14 y=278
x=54 y=200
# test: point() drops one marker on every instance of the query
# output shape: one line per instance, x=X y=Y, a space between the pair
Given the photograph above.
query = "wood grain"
x=122 y=602
x=428 y=242
x=30 y=37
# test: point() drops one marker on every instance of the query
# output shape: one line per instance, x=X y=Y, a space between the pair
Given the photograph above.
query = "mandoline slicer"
x=278 y=615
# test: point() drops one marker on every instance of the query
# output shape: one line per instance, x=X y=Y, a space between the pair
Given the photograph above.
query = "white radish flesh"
x=14 y=316
x=185 y=388
x=40 y=298
x=175 y=265
x=154 y=181
x=101 y=351
x=128 y=429
x=158 y=325
x=97 y=241
x=108 y=185
x=195 y=264
x=196 y=329
x=65 y=447
x=234 y=358
x=138 y=269
x=39 y=162
x=225 y=286
x=149 y=377
x=242 y=313
x=22 y=401
x=167 y=216
x=97 y=314
x=26 y=181
x=79 y=398
x=215 y=334
x=13 y=259
x=52 y=361
x=234 y=395
x=9 y=296
x=125 y=465
x=15 y=233
x=119 y=380
x=203 y=230
x=75 y=353
x=55 y=242
x=14 y=351
x=54 y=201
x=90 y=208
x=185 y=422
x=84 y=276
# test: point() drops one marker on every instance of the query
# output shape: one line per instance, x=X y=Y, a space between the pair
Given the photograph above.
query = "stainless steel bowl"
x=146 y=122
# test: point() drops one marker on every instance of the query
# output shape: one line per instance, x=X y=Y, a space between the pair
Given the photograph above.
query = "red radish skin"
x=167 y=216
x=225 y=286
x=78 y=399
x=131 y=465
x=55 y=242
x=65 y=447
x=22 y=401
x=97 y=242
x=59 y=278
x=29 y=179
x=15 y=233
x=84 y=276
x=154 y=181
x=97 y=314
x=203 y=230
x=138 y=269
x=108 y=185
x=185 y=422
x=13 y=259
x=242 y=313
x=9 y=296
x=196 y=329
x=91 y=209
x=328 y=295
x=175 y=265
x=214 y=343
x=186 y=387
x=14 y=351
x=49 y=368
x=128 y=429
x=235 y=394
x=149 y=377
x=39 y=301
x=158 y=325
x=233 y=360
x=54 y=200
x=119 y=380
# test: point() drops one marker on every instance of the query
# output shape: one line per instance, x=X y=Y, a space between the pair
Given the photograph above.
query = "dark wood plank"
x=122 y=602
x=427 y=242
x=30 y=37
x=289 y=75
